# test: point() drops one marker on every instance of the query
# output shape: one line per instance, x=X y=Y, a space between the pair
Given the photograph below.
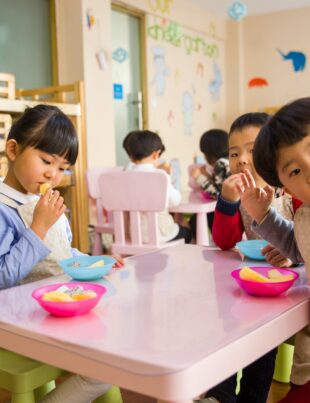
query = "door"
x=127 y=55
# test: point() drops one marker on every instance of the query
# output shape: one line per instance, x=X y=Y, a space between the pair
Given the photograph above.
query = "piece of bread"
x=248 y=274
x=44 y=188
x=56 y=296
x=276 y=276
x=99 y=263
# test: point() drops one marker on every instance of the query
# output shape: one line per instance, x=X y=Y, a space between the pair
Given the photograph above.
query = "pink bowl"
x=264 y=289
x=73 y=308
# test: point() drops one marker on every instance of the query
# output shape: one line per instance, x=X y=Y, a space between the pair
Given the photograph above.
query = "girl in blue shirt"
x=34 y=232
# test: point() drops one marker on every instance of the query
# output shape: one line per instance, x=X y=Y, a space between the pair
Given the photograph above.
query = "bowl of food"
x=264 y=281
x=252 y=249
x=87 y=268
x=69 y=299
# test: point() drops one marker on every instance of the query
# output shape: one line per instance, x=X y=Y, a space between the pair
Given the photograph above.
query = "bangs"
x=57 y=136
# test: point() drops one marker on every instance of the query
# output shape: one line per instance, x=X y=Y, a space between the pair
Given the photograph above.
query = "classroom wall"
x=279 y=79
x=185 y=51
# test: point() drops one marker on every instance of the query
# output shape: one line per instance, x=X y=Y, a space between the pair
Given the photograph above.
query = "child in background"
x=34 y=232
x=144 y=148
x=230 y=222
x=214 y=146
x=282 y=158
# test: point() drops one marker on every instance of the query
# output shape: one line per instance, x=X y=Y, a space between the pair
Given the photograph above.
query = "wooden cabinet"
x=69 y=98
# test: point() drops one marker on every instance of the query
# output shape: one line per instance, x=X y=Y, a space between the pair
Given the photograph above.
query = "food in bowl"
x=86 y=267
x=264 y=281
x=66 y=294
x=79 y=298
x=273 y=275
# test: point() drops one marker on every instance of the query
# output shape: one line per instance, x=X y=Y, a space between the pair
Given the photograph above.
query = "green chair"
x=29 y=380
x=284 y=361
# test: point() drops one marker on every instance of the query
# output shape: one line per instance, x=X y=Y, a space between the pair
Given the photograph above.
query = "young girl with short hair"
x=34 y=232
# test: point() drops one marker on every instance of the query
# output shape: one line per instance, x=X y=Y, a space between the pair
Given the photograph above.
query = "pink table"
x=173 y=324
x=193 y=202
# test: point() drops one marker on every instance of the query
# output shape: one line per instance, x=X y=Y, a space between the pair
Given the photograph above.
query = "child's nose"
x=51 y=172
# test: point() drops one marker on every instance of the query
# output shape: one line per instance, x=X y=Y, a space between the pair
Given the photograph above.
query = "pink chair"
x=135 y=193
x=104 y=222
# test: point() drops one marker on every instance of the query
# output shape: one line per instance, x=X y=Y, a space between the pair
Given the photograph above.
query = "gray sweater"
x=280 y=233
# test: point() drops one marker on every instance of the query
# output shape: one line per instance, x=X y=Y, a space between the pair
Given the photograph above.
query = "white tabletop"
x=172 y=324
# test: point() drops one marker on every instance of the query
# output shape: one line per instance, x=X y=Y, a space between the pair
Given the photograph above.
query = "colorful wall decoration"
x=257 y=82
x=186 y=86
x=298 y=59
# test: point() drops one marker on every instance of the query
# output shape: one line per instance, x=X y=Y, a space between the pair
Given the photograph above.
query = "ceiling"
x=220 y=7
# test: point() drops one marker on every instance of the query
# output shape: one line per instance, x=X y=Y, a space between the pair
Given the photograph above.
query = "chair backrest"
x=92 y=181
x=7 y=85
x=135 y=193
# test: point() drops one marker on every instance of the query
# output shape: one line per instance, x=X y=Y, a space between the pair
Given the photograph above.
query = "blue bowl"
x=252 y=249
x=78 y=267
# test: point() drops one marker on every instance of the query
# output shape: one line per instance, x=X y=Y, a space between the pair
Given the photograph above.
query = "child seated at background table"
x=144 y=149
x=34 y=232
x=231 y=221
x=282 y=158
x=214 y=146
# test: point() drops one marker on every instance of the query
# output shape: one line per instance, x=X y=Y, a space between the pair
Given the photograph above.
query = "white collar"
x=16 y=195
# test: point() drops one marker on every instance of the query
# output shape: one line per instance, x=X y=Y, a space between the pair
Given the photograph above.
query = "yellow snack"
x=99 y=263
x=56 y=296
x=44 y=188
x=276 y=276
x=248 y=274
x=87 y=295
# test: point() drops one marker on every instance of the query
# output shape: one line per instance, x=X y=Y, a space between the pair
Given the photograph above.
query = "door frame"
x=142 y=17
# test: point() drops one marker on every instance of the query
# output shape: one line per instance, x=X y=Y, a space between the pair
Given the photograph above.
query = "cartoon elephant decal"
x=298 y=59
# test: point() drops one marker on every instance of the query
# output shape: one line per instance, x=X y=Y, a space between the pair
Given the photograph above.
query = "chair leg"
x=112 y=396
x=27 y=397
x=43 y=390
x=97 y=247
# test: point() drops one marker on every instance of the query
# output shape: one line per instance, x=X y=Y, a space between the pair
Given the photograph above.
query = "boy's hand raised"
x=229 y=188
x=47 y=211
x=255 y=200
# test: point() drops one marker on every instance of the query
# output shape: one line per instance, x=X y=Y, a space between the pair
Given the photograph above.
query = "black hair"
x=287 y=127
x=214 y=144
x=140 y=144
x=126 y=143
x=48 y=129
x=256 y=119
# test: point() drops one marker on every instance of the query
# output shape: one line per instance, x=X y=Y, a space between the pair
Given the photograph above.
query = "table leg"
x=202 y=231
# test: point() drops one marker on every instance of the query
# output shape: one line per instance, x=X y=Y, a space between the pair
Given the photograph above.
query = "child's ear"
x=156 y=155
x=11 y=149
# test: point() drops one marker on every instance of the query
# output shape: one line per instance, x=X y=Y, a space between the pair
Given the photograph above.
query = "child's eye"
x=46 y=161
x=294 y=172
x=233 y=155
x=62 y=169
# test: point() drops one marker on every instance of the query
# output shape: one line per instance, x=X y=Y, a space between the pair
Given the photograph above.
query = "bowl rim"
x=63 y=263
x=243 y=243
x=235 y=274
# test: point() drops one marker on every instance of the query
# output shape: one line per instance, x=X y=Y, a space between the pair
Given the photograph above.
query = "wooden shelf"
x=68 y=98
